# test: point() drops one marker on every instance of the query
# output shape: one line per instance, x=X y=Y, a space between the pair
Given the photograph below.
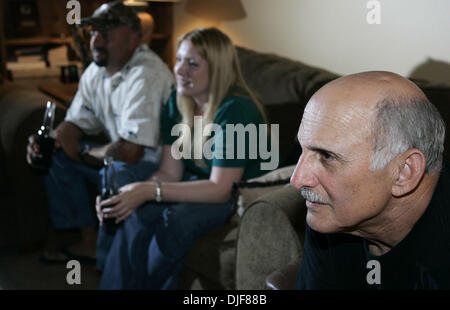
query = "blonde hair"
x=224 y=74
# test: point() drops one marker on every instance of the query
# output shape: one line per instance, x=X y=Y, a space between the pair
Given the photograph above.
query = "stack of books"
x=27 y=62
x=58 y=56
x=26 y=59
x=35 y=63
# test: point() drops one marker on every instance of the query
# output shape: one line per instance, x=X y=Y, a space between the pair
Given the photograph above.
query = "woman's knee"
x=174 y=235
x=122 y=175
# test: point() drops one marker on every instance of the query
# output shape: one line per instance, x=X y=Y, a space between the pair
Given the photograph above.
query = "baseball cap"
x=111 y=15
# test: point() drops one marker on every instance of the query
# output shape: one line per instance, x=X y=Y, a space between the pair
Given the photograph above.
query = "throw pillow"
x=247 y=191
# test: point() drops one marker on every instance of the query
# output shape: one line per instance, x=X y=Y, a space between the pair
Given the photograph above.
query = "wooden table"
x=63 y=92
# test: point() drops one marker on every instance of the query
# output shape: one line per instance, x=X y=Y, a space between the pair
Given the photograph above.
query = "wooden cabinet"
x=48 y=28
x=162 y=42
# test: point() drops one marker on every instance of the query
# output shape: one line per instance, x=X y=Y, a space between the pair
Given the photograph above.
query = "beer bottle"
x=44 y=140
x=109 y=189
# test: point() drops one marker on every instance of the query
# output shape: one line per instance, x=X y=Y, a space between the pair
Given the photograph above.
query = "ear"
x=136 y=41
x=133 y=39
x=411 y=168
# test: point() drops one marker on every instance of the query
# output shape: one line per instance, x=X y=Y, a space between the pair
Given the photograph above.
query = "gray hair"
x=405 y=123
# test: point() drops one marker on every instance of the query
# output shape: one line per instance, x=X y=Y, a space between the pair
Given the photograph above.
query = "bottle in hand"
x=44 y=140
x=109 y=189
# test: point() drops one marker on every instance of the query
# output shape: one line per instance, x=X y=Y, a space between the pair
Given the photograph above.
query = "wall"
x=413 y=38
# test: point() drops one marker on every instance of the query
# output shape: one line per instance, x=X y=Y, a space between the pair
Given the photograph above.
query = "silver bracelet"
x=158 y=196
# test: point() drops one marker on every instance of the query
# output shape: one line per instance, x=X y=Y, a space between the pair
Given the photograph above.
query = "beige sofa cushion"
x=246 y=192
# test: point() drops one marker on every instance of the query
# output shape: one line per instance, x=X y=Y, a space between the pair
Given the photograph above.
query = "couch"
x=23 y=210
x=263 y=237
x=283 y=87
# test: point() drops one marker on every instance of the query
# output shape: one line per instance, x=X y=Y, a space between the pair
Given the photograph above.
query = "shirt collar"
x=119 y=75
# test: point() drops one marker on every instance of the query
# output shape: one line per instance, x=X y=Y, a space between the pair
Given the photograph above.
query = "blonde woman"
x=188 y=194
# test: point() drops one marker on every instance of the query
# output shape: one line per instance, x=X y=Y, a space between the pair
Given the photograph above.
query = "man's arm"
x=120 y=150
x=68 y=136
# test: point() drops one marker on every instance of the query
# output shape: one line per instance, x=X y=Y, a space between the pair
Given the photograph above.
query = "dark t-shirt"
x=420 y=261
x=233 y=152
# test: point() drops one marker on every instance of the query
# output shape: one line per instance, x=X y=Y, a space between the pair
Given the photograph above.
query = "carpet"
x=22 y=270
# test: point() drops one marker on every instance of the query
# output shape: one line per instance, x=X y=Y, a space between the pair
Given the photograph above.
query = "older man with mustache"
x=375 y=185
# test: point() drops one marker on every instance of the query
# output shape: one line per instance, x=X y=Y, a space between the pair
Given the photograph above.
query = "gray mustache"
x=309 y=195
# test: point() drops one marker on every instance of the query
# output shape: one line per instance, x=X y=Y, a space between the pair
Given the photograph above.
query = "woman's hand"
x=130 y=197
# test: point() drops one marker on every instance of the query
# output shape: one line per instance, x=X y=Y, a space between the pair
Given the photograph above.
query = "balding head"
x=377 y=83
x=367 y=142
x=395 y=112
x=365 y=90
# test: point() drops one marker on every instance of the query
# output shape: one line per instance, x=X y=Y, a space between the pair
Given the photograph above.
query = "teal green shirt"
x=232 y=150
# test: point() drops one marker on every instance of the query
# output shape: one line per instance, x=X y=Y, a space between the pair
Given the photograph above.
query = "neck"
x=200 y=104
x=116 y=66
x=112 y=70
x=398 y=218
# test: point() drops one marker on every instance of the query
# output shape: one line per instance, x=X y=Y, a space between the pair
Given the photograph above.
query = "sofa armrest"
x=283 y=279
x=23 y=211
x=271 y=234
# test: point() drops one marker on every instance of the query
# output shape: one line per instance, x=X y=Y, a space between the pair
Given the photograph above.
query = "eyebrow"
x=317 y=149
x=188 y=58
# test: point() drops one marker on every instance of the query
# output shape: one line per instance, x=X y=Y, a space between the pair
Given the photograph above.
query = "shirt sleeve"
x=81 y=111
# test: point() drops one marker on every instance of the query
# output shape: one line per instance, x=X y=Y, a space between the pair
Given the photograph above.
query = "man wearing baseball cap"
x=120 y=94
x=114 y=18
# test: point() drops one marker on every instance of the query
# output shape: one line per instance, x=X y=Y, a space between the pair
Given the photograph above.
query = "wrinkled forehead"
x=345 y=109
x=336 y=121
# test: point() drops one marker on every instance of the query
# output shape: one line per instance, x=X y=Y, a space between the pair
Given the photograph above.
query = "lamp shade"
x=144 y=2
x=135 y=3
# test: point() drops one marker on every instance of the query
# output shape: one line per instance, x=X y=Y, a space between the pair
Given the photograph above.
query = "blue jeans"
x=147 y=251
x=70 y=204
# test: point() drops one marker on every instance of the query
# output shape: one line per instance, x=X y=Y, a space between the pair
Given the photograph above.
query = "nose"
x=304 y=174
x=97 y=39
x=179 y=68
